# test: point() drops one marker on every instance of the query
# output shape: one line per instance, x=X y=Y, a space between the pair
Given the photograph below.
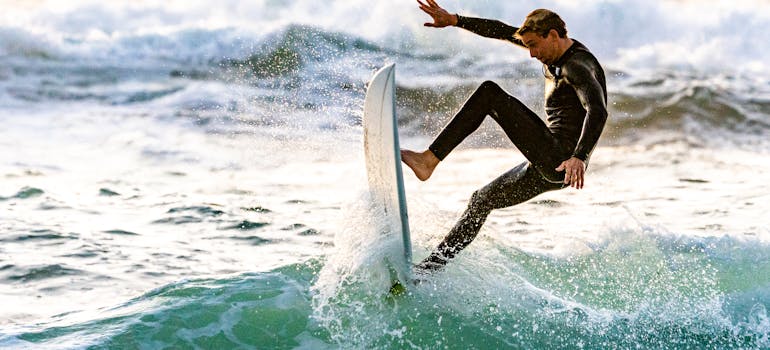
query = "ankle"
x=430 y=158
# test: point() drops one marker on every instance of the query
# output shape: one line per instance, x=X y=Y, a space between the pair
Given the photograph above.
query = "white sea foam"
x=696 y=35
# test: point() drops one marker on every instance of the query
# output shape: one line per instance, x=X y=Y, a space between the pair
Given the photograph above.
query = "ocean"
x=190 y=175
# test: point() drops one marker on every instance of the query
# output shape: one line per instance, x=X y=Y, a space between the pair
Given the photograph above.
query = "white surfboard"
x=383 y=160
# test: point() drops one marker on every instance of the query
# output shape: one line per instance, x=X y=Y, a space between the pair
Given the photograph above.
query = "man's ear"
x=553 y=34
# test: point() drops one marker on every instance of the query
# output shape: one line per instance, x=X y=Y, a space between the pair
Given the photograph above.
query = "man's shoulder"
x=581 y=52
x=582 y=61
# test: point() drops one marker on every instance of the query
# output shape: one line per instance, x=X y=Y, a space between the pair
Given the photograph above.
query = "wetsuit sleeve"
x=489 y=28
x=592 y=96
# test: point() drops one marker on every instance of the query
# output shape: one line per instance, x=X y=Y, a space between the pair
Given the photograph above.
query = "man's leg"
x=515 y=186
x=522 y=126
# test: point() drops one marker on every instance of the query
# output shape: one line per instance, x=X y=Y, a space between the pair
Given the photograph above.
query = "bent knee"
x=489 y=85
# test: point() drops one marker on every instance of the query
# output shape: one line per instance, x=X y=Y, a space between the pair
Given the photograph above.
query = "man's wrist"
x=456 y=20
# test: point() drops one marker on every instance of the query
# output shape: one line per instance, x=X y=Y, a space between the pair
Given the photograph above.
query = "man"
x=557 y=153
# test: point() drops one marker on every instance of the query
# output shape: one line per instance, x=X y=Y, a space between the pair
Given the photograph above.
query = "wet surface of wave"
x=635 y=290
x=39 y=235
x=24 y=193
x=36 y=273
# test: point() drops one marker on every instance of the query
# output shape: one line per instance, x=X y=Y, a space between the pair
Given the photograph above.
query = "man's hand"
x=575 y=170
x=441 y=18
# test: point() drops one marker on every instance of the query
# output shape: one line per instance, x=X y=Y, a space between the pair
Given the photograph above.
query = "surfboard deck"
x=383 y=166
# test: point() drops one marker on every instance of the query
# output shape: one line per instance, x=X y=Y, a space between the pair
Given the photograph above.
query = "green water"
x=635 y=292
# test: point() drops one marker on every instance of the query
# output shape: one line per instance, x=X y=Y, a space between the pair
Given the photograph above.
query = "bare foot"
x=421 y=163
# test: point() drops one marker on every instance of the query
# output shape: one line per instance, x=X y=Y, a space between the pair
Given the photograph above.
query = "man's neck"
x=564 y=44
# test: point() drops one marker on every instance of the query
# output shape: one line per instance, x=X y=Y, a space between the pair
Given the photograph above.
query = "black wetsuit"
x=575 y=104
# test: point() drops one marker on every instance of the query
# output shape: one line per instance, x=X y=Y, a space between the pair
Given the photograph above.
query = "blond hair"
x=541 y=21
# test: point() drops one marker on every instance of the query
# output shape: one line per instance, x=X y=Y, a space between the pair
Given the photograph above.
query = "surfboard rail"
x=383 y=157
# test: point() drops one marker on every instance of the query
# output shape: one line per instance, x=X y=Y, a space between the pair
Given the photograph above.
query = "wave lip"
x=228 y=80
x=635 y=35
x=289 y=50
x=712 y=112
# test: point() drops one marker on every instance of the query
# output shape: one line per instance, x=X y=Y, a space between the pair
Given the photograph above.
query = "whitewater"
x=182 y=174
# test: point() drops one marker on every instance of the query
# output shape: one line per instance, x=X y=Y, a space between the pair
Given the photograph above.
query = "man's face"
x=544 y=49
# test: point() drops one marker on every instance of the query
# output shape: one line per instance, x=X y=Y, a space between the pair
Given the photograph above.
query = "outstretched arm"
x=490 y=28
x=485 y=27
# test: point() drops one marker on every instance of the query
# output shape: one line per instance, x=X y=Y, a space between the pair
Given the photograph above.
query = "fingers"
x=426 y=7
x=576 y=181
x=567 y=174
x=432 y=9
x=433 y=3
x=573 y=174
x=430 y=12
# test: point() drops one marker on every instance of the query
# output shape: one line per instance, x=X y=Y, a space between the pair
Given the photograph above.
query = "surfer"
x=557 y=152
